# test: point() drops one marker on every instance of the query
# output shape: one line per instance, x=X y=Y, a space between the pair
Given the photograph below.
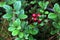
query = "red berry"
x=34 y=15
x=39 y=21
x=38 y=15
x=35 y=19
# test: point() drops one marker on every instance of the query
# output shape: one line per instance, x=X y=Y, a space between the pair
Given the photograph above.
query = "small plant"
x=14 y=16
x=43 y=21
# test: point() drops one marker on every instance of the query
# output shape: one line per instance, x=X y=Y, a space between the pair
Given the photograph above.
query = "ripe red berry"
x=39 y=21
x=34 y=15
x=38 y=15
x=34 y=19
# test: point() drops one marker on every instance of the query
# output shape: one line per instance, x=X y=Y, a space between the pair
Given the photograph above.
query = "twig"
x=51 y=37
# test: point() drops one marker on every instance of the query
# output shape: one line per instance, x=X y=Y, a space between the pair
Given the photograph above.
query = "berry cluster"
x=35 y=17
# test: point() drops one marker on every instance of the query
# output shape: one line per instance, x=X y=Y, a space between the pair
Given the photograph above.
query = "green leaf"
x=34 y=31
x=31 y=38
x=19 y=27
x=56 y=25
x=11 y=28
x=56 y=7
x=17 y=38
x=22 y=11
x=7 y=16
x=15 y=32
x=26 y=36
x=2 y=4
x=8 y=8
x=11 y=25
x=42 y=11
x=54 y=32
x=32 y=2
x=46 y=4
x=22 y=16
x=46 y=20
x=17 y=22
x=35 y=23
x=17 y=5
x=41 y=24
x=46 y=12
x=23 y=24
x=43 y=5
x=21 y=34
x=58 y=16
x=40 y=4
x=31 y=26
x=17 y=12
x=52 y=16
x=10 y=1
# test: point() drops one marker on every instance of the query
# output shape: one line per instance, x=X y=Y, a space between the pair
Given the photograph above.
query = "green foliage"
x=11 y=29
x=46 y=12
x=7 y=16
x=34 y=31
x=56 y=8
x=22 y=16
x=17 y=5
x=15 y=32
x=21 y=35
x=2 y=4
x=56 y=25
x=10 y=1
x=19 y=22
x=42 y=11
x=43 y=4
x=8 y=8
x=54 y=32
x=17 y=39
x=52 y=16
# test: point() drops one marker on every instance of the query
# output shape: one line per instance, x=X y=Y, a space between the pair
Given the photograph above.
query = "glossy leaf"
x=17 y=22
x=42 y=11
x=56 y=25
x=22 y=11
x=11 y=28
x=15 y=32
x=21 y=35
x=17 y=38
x=54 y=32
x=19 y=28
x=56 y=7
x=10 y=1
x=32 y=2
x=17 y=12
x=26 y=36
x=41 y=24
x=22 y=16
x=43 y=5
x=31 y=38
x=2 y=4
x=52 y=16
x=8 y=8
x=17 y=5
x=46 y=4
x=46 y=12
x=7 y=16
x=34 y=31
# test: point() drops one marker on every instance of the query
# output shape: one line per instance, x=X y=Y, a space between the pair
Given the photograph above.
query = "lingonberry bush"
x=32 y=20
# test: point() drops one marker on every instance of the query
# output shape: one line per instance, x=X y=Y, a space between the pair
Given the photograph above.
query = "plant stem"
x=59 y=35
x=13 y=16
